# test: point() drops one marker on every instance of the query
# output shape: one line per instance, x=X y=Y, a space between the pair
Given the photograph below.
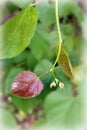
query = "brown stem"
x=75 y=91
x=37 y=2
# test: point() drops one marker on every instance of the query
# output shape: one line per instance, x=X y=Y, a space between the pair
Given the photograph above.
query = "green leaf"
x=11 y=75
x=69 y=43
x=5 y=123
x=67 y=29
x=24 y=104
x=67 y=7
x=46 y=27
x=31 y=61
x=21 y=3
x=39 y=46
x=62 y=110
x=67 y=90
x=21 y=57
x=17 y=32
x=74 y=58
x=65 y=63
x=42 y=66
x=47 y=14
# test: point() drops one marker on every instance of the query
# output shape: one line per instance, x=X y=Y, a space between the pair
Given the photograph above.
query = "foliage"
x=17 y=32
x=30 y=44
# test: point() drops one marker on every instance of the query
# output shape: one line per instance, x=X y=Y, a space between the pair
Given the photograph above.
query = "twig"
x=37 y=2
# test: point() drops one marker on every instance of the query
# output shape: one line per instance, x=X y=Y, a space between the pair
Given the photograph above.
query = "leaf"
x=65 y=63
x=26 y=85
x=67 y=7
x=47 y=24
x=62 y=110
x=31 y=61
x=45 y=64
x=21 y=57
x=10 y=76
x=42 y=67
x=46 y=10
x=5 y=123
x=68 y=29
x=17 y=32
x=39 y=46
x=74 y=58
x=24 y=104
x=21 y=3
x=69 y=43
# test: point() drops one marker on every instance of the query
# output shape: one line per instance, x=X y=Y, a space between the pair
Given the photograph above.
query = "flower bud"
x=53 y=84
x=61 y=85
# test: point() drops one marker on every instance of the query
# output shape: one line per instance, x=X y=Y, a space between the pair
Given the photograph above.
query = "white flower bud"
x=61 y=85
x=53 y=84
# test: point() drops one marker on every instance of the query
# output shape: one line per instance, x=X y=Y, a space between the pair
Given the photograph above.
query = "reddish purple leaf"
x=26 y=85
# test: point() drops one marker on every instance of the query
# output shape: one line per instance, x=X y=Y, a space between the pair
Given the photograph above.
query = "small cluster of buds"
x=55 y=82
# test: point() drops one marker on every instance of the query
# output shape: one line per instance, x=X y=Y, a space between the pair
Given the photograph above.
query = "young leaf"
x=65 y=63
x=17 y=32
x=26 y=85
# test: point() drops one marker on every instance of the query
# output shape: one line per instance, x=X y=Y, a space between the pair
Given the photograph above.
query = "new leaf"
x=26 y=85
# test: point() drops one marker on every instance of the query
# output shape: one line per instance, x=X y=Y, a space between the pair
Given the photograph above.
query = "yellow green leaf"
x=17 y=32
